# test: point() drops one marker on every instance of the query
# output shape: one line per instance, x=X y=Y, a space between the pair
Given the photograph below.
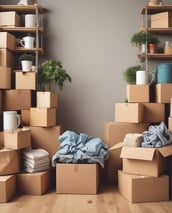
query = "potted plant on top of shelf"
x=52 y=72
x=26 y=61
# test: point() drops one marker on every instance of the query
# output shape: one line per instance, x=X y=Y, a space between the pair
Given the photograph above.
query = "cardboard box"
x=25 y=80
x=25 y=116
x=153 y=112
x=37 y=183
x=161 y=20
x=79 y=174
x=9 y=161
x=47 y=99
x=1 y=139
x=129 y=112
x=17 y=139
x=40 y=135
x=6 y=58
x=142 y=189
x=1 y=99
x=170 y=124
x=5 y=80
x=19 y=99
x=9 y=18
x=7 y=188
x=146 y=161
x=114 y=133
x=43 y=117
x=7 y=41
x=138 y=93
x=163 y=93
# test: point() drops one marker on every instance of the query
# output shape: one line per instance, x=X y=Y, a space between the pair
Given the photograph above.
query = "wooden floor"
x=107 y=201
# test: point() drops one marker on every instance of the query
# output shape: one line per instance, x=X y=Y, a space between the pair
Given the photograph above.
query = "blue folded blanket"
x=76 y=148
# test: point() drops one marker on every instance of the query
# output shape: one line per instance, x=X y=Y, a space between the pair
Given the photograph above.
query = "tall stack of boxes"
x=144 y=168
x=38 y=115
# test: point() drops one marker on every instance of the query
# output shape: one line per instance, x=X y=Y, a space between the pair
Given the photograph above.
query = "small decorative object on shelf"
x=155 y=2
x=27 y=2
x=26 y=62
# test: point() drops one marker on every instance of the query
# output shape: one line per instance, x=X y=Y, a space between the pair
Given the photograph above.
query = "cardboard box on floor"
x=5 y=80
x=146 y=161
x=138 y=93
x=37 y=183
x=77 y=178
x=17 y=139
x=142 y=189
x=25 y=80
x=46 y=138
x=114 y=133
x=9 y=161
x=9 y=18
x=7 y=188
x=6 y=58
x=161 y=20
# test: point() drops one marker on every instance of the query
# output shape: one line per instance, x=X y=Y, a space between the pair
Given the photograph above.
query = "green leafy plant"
x=130 y=74
x=143 y=37
x=26 y=57
x=52 y=71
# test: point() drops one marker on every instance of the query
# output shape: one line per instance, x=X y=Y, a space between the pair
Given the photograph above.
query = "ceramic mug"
x=11 y=120
x=144 y=77
x=164 y=73
x=27 y=42
x=30 y=20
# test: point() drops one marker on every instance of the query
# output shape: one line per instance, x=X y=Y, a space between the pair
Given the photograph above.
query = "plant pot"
x=26 y=66
x=152 y=48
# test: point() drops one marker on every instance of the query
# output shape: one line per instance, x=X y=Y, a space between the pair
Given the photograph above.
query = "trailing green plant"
x=26 y=57
x=52 y=71
x=130 y=74
x=143 y=37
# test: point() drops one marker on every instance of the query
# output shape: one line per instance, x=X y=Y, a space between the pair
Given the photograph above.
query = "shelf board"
x=21 y=8
x=158 y=30
x=160 y=56
x=156 y=9
x=21 y=29
x=32 y=50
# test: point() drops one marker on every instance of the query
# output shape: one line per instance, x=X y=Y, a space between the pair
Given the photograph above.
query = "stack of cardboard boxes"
x=38 y=114
x=143 y=174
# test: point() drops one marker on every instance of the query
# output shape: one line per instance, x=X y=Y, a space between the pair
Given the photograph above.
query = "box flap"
x=116 y=146
x=166 y=150
x=139 y=153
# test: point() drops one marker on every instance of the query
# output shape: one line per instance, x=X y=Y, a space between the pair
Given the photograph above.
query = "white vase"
x=26 y=66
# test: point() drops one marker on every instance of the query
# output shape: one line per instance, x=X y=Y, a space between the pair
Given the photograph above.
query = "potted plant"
x=52 y=72
x=130 y=74
x=26 y=61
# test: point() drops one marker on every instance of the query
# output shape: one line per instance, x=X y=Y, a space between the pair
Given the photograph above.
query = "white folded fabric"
x=35 y=153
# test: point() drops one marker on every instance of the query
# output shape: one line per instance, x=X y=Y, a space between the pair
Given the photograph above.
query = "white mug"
x=11 y=120
x=30 y=20
x=27 y=42
x=143 y=77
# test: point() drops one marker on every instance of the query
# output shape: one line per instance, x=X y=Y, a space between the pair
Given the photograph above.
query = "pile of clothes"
x=80 y=148
x=35 y=160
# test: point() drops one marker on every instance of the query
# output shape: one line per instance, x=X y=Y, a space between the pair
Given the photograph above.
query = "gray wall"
x=92 y=39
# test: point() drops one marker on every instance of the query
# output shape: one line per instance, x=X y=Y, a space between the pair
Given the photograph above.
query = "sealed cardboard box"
x=5 y=80
x=19 y=99
x=138 y=93
x=47 y=99
x=9 y=161
x=146 y=161
x=7 y=188
x=79 y=174
x=40 y=136
x=129 y=112
x=9 y=18
x=163 y=93
x=17 y=139
x=37 y=183
x=43 y=117
x=25 y=80
x=161 y=20
x=142 y=189
x=7 y=41
x=153 y=112
x=114 y=133
x=6 y=58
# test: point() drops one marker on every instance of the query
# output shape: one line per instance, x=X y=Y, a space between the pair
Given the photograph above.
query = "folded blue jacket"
x=76 y=148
